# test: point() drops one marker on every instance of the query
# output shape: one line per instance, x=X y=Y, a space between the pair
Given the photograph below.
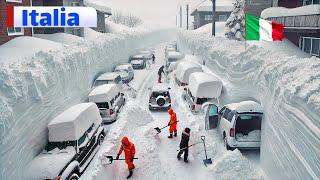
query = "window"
x=310 y=45
x=230 y=116
x=201 y=100
x=16 y=1
x=259 y=2
x=226 y=113
x=15 y=31
x=208 y=17
x=213 y=110
x=222 y=17
x=308 y=2
x=103 y=105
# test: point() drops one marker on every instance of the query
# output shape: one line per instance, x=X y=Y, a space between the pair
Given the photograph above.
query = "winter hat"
x=170 y=111
x=187 y=130
x=125 y=140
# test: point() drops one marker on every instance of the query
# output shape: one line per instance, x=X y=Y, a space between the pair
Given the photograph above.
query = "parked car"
x=108 y=78
x=240 y=125
x=138 y=61
x=203 y=87
x=148 y=54
x=184 y=70
x=125 y=71
x=168 y=49
x=172 y=59
x=74 y=138
x=109 y=100
x=159 y=98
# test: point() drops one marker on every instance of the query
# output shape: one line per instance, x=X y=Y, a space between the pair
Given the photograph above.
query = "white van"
x=74 y=138
x=203 y=87
x=108 y=78
x=172 y=59
x=240 y=125
x=109 y=100
x=184 y=70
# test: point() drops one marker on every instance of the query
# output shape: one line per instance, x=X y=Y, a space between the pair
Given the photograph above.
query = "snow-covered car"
x=138 y=61
x=148 y=54
x=184 y=70
x=74 y=138
x=168 y=49
x=172 y=59
x=240 y=125
x=125 y=71
x=160 y=98
x=108 y=78
x=203 y=87
x=109 y=100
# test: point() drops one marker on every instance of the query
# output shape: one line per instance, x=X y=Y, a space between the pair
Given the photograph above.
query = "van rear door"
x=248 y=128
x=211 y=119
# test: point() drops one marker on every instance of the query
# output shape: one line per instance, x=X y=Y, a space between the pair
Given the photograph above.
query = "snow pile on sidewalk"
x=49 y=78
x=287 y=86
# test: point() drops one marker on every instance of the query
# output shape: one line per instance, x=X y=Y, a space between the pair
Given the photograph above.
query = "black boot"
x=175 y=134
x=179 y=157
x=186 y=161
x=170 y=136
x=130 y=174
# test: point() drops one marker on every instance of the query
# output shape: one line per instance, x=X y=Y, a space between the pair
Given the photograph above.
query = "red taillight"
x=231 y=132
x=111 y=111
x=193 y=107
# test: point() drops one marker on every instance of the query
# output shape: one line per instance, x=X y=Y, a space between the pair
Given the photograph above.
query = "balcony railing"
x=302 y=21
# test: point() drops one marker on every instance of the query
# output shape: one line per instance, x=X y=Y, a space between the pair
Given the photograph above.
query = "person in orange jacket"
x=172 y=123
x=129 y=152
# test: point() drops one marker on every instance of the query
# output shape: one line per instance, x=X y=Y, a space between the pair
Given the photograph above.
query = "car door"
x=212 y=117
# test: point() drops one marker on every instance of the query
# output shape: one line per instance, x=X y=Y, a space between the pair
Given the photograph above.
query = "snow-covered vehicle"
x=125 y=71
x=169 y=48
x=109 y=100
x=203 y=87
x=184 y=70
x=172 y=59
x=160 y=98
x=138 y=61
x=108 y=78
x=74 y=138
x=240 y=125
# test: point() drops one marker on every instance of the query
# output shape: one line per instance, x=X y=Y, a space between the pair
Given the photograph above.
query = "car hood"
x=123 y=74
x=48 y=165
x=137 y=62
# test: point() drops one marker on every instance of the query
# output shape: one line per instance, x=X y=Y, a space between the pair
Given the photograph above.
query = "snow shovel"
x=159 y=129
x=207 y=160
x=189 y=146
x=111 y=159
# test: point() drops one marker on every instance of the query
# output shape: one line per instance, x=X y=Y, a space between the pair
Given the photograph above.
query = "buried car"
x=172 y=59
x=203 y=87
x=184 y=70
x=108 y=78
x=109 y=100
x=74 y=138
x=160 y=98
x=125 y=71
x=138 y=61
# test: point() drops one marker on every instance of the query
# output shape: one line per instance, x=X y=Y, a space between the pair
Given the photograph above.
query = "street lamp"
x=213 y=17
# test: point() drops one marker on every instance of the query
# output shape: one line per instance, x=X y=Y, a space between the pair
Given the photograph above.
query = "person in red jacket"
x=129 y=152
x=172 y=123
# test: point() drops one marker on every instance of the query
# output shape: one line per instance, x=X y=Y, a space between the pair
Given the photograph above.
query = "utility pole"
x=187 y=16
x=180 y=17
x=213 y=17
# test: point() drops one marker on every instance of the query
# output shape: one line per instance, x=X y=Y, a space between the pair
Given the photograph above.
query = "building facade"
x=301 y=24
x=6 y=34
x=255 y=7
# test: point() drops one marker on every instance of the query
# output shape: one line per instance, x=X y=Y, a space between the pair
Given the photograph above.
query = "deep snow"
x=40 y=84
x=287 y=86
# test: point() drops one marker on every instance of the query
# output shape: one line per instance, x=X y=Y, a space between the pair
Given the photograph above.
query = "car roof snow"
x=103 y=93
x=159 y=87
x=174 y=54
x=245 y=106
x=108 y=76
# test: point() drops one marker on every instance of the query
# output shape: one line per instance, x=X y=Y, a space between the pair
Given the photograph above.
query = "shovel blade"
x=207 y=161
x=158 y=129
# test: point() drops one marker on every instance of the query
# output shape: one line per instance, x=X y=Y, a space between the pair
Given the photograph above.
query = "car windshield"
x=103 y=105
x=137 y=58
x=249 y=117
x=160 y=93
x=60 y=145
x=172 y=59
x=102 y=82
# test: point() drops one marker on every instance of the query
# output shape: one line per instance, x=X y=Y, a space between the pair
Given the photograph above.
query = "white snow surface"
x=184 y=69
x=103 y=93
x=98 y=5
x=63 y=38
x=221 y=5
x=39 y=79
x=204 y=85
x=207 y=29
x=299 y=11
x=286 y=85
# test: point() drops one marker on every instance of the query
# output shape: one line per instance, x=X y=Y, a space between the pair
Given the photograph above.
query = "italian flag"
x=261 y=29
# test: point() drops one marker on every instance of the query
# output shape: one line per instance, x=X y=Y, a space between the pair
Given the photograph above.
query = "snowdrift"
x=38 y=86
x=287 y=85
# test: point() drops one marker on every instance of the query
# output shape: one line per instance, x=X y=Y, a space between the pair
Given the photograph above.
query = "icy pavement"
x=156 y=153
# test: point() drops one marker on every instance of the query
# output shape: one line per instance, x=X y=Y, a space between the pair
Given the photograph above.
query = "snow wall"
x=36 y=89
x=288 y=88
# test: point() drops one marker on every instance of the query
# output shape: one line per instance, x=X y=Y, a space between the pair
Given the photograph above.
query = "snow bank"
x=49 y=78
x=207 y=29
x=299 y=11
x=98 y=5
x=63 y=38
x=287 y=85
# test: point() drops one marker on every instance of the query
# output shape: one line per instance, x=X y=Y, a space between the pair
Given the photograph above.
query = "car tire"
x=100 y=139
x=225 y=142
x=74 y=176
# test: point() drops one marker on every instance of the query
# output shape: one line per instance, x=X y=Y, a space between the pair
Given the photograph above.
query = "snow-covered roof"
x=204 y=85
x=245 y=106
x=221 y=6
x=123 y=66
x=159 y=87
x=103 y=93
x=175 y=55
x=282 y=11
x=98 y=5
x=71 y=124
x=108 y=76
x=138 y=56
x=184 y=69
